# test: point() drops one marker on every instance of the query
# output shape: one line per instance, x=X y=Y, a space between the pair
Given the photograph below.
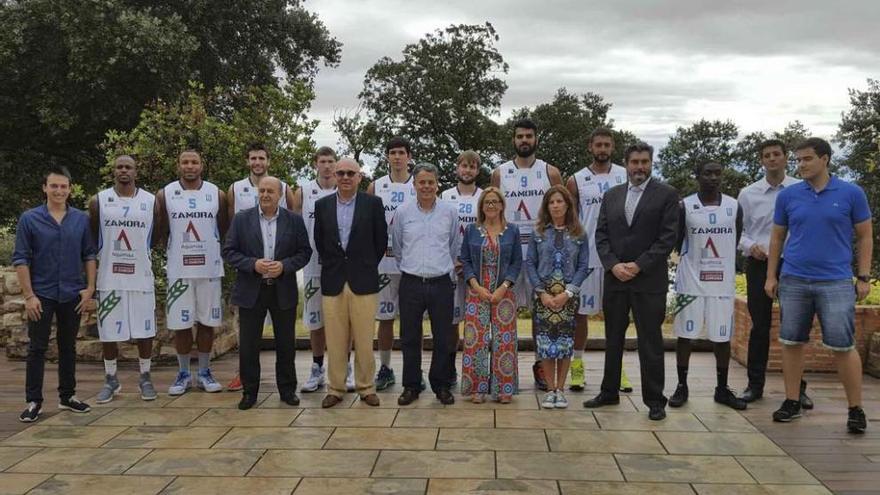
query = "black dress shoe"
x=806 y=401
x=247 y=402
x=680 y=396
x=445 y=397
x=751 y=394
x=656 y=413
x=602 y=399
x=408 y=396
x=290 y=400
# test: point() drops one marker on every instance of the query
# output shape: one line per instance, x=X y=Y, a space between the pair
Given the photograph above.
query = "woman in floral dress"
x=491 y=261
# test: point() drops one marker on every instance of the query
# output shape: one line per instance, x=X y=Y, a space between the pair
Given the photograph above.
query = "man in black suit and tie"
x=637 y=229
x=266 y=245
x=351 y=237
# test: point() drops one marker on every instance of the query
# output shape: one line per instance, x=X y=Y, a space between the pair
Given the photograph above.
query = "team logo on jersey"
x=509 y=171
x=177 y=192
x=106 y=305
x=311 y=289
x=191 y=234
x=730 y=211
x=538 y=174
x=385 y=185
x=177 y=289
x=110 y=199
x=709 y=250
x=122 y=240
x=384 y=280
x=681 y=302
x=208 y=197
x=522 y=212
x=696 y=206
x=143 y=207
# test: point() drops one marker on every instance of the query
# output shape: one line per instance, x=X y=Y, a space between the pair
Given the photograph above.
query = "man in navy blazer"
x=266 y=245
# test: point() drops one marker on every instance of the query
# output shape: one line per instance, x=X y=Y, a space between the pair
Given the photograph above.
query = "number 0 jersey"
x=706 y=266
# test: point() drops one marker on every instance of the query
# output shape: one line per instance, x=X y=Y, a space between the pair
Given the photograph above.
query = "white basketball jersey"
x=706 y=266
x=591 y=189
x=247 y=195
x=393 y=195
x=312 y=192
x=524 y=190
x=194 y=236
x=466 y=206
x=126 y=225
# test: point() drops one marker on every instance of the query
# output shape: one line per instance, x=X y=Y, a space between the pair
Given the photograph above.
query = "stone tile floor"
x=201 y=444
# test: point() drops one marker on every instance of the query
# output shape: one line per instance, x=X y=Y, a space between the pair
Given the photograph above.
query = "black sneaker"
x=806 y=401
x=856 y=423
x=32 y=413
x=680 y=396
x=74 y=404
x=724 y=395
x=790 y=409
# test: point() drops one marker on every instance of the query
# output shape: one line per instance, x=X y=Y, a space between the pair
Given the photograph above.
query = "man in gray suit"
x=266 y=245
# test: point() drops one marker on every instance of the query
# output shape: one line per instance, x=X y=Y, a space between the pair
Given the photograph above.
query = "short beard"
x=467 y=181
x=525 y=153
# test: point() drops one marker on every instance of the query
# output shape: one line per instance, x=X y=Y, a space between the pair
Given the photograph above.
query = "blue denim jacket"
x=510 y=262
x=539 y=261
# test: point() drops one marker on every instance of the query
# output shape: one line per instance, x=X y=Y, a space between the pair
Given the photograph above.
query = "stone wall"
x=817 y=357
x=13 y=330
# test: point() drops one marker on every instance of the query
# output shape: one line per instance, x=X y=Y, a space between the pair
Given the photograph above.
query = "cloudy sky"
x=662 y=64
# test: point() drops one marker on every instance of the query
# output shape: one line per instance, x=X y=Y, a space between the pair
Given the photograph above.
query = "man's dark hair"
x=639 y=147
x=819 y=145
x=398 y=142
x=56 y=170
x=699 y=168
x=601 y=131
x=256 y=147
x=525 y=123
x=323 y=151
x=769 y=143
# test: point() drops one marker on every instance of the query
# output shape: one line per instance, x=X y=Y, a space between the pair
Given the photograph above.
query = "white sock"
x=144 y=364
x=385 y=358
x=578 y=355
x=110 y=367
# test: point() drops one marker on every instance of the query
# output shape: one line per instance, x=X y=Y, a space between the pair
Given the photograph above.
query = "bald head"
x=269 y=189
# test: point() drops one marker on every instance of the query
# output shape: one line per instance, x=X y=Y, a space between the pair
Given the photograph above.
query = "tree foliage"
x=440 y=95
x=859 y=135
x=358 y=135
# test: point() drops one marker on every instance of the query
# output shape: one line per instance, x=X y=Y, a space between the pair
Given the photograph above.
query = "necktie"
x=632 y=198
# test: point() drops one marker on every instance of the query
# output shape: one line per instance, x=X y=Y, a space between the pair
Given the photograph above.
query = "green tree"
x=439 y=95
x=747 y=160
x=859 y=135
x=70 y=71
x=564 y=126
x=358 y=136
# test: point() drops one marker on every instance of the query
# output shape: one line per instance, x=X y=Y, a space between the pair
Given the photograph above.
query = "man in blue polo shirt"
x=819 y=215
x=53 y=246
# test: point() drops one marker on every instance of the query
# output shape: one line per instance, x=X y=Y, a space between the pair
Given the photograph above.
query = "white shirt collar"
x=641 y=187
x=765 y=186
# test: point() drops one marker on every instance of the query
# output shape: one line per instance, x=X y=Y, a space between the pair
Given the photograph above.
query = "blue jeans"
x=833 y=301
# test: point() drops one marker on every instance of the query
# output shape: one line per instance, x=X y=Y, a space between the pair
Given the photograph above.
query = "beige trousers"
x=348 y=318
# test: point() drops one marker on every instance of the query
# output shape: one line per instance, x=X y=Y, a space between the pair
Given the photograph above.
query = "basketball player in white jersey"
x=395 y=189
x=710 y=223
x=304 y=198
x=587 y=187
x=464 y=197
x=524 y=180
x=243 y=195
x=194 y=218
x=122 y=220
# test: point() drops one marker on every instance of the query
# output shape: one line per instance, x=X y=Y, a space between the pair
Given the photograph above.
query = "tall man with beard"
x=523 y=181
x=464 y=197
x=587 y=187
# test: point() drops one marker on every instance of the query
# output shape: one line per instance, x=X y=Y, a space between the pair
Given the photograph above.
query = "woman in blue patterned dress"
x=557 y=263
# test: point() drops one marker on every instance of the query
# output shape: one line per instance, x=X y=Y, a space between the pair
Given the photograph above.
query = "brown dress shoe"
x=371 y=400
x=330 y=401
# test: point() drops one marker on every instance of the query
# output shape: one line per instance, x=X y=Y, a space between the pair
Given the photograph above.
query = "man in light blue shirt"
x=425 y=243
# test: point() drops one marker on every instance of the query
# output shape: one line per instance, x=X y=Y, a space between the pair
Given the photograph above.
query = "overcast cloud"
x=662 y=64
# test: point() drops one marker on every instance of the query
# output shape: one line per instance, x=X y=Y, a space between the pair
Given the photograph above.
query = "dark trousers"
x=761 y=311
x=250 y=335
x=436 y=296
x=649 y=311
x=38 y=333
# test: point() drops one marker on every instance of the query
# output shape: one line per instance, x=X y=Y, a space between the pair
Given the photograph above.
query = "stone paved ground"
x=201 y=444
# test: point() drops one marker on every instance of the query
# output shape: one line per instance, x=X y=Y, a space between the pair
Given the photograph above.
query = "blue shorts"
x=833 y=301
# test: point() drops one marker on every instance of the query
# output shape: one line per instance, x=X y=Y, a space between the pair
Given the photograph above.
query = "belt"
x=426 y=280
x=268 y=281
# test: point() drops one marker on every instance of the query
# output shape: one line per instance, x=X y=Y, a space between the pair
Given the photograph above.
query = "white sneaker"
x=349 y=379
x=561 y=401
x=207 y=382
x=315 y=381
x=549 y=401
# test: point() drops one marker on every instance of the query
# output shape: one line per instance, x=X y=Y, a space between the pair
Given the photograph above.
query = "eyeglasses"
x=491 y=202
x=346 y=173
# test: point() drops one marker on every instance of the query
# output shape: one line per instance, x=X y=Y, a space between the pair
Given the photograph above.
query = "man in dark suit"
x=266 y=245
x=637 y=229
x=351 y=238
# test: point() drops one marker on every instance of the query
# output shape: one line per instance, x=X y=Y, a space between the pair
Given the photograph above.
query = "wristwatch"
x=569 y=293
x=508 y=284
x=864 y=278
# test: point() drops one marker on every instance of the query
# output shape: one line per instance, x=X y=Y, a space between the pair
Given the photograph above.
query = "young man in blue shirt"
x=820 y=215
x=53 y=246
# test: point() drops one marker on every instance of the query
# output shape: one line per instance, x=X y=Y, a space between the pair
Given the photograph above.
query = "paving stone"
x=80 y=460
x=612 y=442
x=202 y=485
x=383 y=438
x=620 y=488
x=19 y=484
x=253 y=437
x=366 y=486
x=316 y=463
x=63 y=436
x=485 y=487
x=75 y=484
x=682 y=469
x=776 y=470
x=492 y=439
x=580 y=420
x=196 y=462
x=718 y=443
x=346 y=417
x=452 y=464
x=168 y=437
x=443 y=418
x=558 y=466
x=251 y=417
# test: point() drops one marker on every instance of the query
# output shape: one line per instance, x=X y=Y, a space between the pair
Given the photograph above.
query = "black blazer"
x=244 y=246
x=648 y=241
x=358 y=263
